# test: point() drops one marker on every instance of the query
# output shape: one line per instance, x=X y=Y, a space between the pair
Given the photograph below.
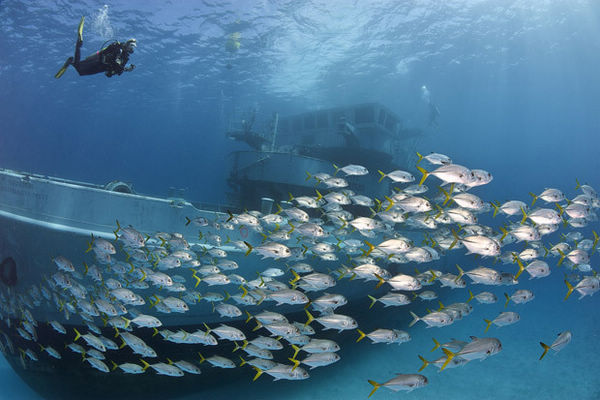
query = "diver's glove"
x=130 y=68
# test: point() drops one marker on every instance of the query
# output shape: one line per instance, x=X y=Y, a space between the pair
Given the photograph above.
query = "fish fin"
x=460 y=273
x=187 y=221
x=296 y=350
x=202 y=359
x=114 y=365
x=86 y=268
x=361 y=335
x=524 y=216
x=308 y=176
x=230 y=216
x=449 y=356
x=375 y=387
x=488 y=322
x=310 y=318
x=446 y=195
x=521 y=268
x=390 y=205
x=373 y=300
x=258 y=326
x=425 y=363
x=243 y=362
x=546 y=348
x=146 y=365
x=127 y=322
x=562 y=257
x=77 y=334
x=507 y=300
x=382 y=175
x=415 y=319
x=470 y=296
x=296 y=363
x=155 y=332
x=534 y=198
x=371 y=248
x=258 y=373
x=570 y=289
x=425 y=175
x=249 y=247
x=496 y=209
x=381 y=281
x=437 y=344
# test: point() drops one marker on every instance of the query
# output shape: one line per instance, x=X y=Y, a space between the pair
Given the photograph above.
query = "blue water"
x=516 y=82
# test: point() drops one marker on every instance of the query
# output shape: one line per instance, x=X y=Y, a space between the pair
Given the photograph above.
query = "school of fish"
x=382 y=247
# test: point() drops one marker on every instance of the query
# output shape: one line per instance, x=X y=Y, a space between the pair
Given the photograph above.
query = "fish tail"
x=258 y=326
x=77 y=334
x=319 y=195
x=336 y=169
x=460 y=272
x=258 y=373
x=243 y=362
x=534 y=198
x=570 y=289
x=237 y=347
x=90 y=244
x=546 y=348
x=296 y=363
x=127 y=322
x=456 y=239
x=504 y=233
x=425 y=175
x=249 y=316
x=310 y=318
x=86 y=268
x=202 y=359
x=437 y=344
x=596 y=238
x=155 y=332
x=446 y=195
x=496 y=209
x=415 y=319
x=449 y=356
x=381 y=281
x=375 y=387
x=308 y=176
x=488 y=322
x=249 y=247
x=146 y=365
x=577 y=186
x=230 y=216
x=562 y=257
x=420 y=157
x=524 y=216
x=371 y=248
x=361 y=335
x=373 y=300
x=382 y=175
x=389 y=205
x=425 y=363
x=521 y=268
x=296 y=350
x=470 y=296
x=114 y=365
x=560 y=209
x=187 y=221
x=507 y=300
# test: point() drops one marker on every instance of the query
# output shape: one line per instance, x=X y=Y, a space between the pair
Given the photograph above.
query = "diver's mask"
x=130 y=45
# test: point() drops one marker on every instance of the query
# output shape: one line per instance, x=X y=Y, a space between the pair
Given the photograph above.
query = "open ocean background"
x=517 y=84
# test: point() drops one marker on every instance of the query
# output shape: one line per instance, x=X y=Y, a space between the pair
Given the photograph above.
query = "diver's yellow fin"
x=80 y=29
x=62 y=69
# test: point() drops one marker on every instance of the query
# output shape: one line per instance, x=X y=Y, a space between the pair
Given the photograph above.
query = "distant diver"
x=434 y=112
x=111 y=60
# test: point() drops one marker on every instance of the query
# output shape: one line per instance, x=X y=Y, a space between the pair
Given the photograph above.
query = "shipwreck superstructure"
x=279 y=159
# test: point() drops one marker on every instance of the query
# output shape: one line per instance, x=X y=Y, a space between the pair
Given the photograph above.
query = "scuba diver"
x=434 y=112
x=110 y=59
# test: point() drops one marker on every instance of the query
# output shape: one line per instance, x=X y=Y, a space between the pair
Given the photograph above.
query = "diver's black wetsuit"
x=111 y=60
